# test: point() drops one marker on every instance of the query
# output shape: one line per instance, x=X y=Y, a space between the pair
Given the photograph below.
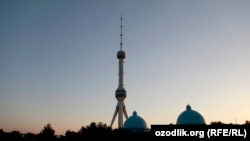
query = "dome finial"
x=134 y=113
x=188 y=107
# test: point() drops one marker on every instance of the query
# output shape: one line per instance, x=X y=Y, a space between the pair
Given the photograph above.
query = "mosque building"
x=136 y=123
x=190 y=116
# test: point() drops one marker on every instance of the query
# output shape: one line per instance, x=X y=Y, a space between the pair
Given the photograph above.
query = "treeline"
x=90 y=132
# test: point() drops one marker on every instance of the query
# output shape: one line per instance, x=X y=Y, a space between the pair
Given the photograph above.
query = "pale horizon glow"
x=58 y=61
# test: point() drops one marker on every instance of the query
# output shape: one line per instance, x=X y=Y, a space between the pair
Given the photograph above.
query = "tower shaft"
x=120 y=73
x=120 y=92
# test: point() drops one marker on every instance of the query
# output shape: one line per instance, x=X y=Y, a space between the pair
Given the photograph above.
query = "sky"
x=58 y=61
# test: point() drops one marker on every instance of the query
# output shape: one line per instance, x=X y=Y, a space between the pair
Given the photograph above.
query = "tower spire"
x=120 y=92
x=121 y=34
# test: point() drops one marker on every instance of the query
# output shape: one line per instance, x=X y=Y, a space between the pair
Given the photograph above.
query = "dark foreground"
x=156 y=133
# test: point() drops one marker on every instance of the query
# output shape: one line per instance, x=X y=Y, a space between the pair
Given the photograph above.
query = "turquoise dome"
x=135 y=122
x=190 y=116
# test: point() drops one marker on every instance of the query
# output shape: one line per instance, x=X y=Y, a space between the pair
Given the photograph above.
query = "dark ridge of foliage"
x=90 y=132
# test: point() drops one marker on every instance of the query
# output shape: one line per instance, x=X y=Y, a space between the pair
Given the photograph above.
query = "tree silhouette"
x=216 y=123
x=71 y=136
x=92 y=126
x=247 y=122
x=47 y=133
x=98 y=128
x=30 y=136
x=15 y=136
x=94 y=130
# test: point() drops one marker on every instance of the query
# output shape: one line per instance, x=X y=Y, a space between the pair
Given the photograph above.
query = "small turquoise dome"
x=190 y=117
x=135 y=122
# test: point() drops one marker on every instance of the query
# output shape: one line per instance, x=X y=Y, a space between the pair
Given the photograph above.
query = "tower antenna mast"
x=121 y=34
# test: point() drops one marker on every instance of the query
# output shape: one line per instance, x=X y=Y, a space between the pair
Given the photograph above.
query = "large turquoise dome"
x=190 y=116
x=135 y=122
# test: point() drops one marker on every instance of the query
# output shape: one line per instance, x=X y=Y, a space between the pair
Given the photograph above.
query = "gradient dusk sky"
x=58 y=61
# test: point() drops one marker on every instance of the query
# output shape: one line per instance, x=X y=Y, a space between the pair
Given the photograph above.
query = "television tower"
x=120 y=92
